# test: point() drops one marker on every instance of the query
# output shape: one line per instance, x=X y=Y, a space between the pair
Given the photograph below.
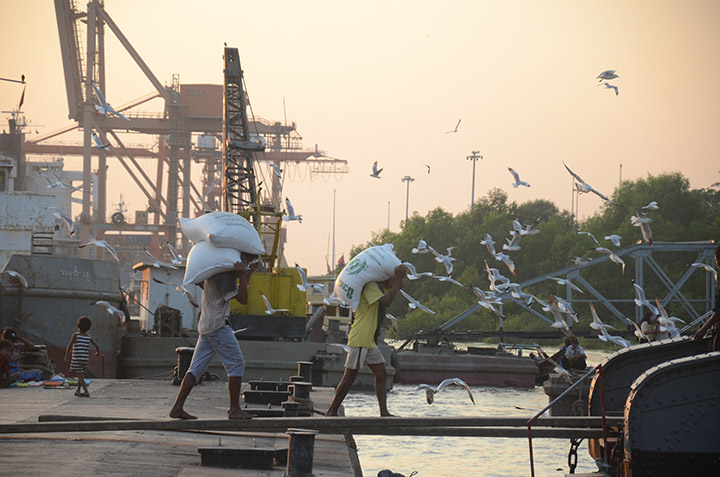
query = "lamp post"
x=407 y=179
x=474 y=157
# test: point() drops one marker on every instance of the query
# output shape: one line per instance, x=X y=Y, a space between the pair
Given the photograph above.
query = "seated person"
x=6 y=377
x=19 y=346
x=574 y=357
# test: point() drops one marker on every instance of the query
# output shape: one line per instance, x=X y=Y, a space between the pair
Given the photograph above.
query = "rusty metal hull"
x=60 y=290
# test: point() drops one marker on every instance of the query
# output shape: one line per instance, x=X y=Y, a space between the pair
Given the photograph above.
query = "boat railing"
x=587 y=375
x=696 y=321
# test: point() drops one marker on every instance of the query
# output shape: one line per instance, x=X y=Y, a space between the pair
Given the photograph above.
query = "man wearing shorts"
x=362 y=340
x=217 y=337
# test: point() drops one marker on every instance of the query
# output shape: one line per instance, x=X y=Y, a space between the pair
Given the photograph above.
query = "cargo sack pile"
x=374 y=264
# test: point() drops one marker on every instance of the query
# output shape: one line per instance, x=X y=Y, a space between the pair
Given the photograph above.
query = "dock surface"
x=143 y=452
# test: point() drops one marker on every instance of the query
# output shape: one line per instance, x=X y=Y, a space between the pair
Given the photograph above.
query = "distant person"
x=217 y=337
x=713 y=323
x=19 y=345
x=364 y=330
x=574 y=357
x=6 y=377
x=649 y=327
x=77 y=354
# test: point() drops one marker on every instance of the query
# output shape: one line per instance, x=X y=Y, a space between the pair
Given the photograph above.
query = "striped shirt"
x=81 y=352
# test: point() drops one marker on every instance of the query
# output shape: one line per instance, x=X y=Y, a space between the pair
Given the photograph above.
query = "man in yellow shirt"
x=361 y=339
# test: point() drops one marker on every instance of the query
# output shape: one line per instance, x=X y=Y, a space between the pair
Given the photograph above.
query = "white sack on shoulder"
x=374 y=264
x=223 y=229
x=204 y=261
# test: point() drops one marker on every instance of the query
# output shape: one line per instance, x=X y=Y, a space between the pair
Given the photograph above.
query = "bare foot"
x=181 y=414
x=239 y=414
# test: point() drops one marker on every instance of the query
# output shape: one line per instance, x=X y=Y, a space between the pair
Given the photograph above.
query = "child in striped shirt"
x=77 y=354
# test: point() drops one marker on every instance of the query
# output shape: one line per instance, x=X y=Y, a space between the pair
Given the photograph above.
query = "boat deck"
x=157 y=453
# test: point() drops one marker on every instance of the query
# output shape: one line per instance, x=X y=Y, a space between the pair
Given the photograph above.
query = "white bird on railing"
x=15 y=278
x=414 y=304
x=270 y=310
x=431 y=391
x=103 y=244
x=111 y=309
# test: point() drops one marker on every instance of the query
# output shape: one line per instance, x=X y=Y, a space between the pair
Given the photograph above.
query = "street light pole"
x=474 y=157
x=407 y=179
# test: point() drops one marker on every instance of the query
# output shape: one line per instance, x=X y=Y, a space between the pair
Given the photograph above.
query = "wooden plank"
x=336 y=425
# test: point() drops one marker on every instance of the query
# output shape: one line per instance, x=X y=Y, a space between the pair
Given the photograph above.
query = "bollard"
x=301 y=395
x=300 y=452
x=185 y=354
x=291 y=408
x=305 y=370
x=294 y=379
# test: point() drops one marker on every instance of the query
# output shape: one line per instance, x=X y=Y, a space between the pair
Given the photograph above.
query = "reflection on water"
x=463 y=456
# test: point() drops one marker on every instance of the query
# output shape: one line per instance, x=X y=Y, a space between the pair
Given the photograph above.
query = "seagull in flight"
x=562 y=281
x=428 y=167
x=375 y=171
x=421 y=247
x=581 y=260
x=291 y=212
x=556 y=313
x=446 y=260
x=103 y=244
x=304 y=286
x=180 y=288
x=618 y=340
x=111 y=309
x=157 y=263
x=651 y=206
x=607 y=75
x=504 y=258
x=456 y=127
x=641 y=301
x=276 y=169
x=517 y=182
x=615 y=239
x=414 y=275
x=489 y=243
x=612 y=86
x=104 y=108
x=643 y=221
x=414 y=304
x=431 y=391
x=270 y=310
x=589 y=234
x=513 y=243
x=487 y=300
x=56 y=181
x=707 y=267
x=57 y=212
x=98 y=143
x=526 y=229
x=613 y=257
x=15 y=278
x=448 y=279
x=596 y=323
x=176 y=258
x=583 y=187
x=638 y=332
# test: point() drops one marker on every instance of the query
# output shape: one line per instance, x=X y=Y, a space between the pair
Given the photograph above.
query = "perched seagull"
x=618 y=340
x=176 y=258
x=276 y=169
x=641 y=301
x=456 y=127
x=612 y=86
x=291 y=212
x=513 y=243
x=615 y=239
x=304 y=286
x=596 y=323
x=584 y=187
x=414 y=275
x=489 y=243
x=446 y=260
x=562 y=281
x=103 y=244
x=448 y=279
x=270 y=310
x=57 y=212
x=517 y=182
x=706 y=267
x=581 y=260
x=98 y=143
x=504 y=258
x=413 y=303
x=643 y=221
x=651 y=206
x=421 y=247
x=104 y=108
x=180 y=288
x=613 y=257
x=375 y=171
x=431 y=391
x=157 y=263
x=607 y=75
x=589 y=234
x=16 y=279
x=111 y=309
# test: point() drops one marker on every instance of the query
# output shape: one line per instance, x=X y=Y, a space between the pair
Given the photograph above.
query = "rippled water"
x=462 y=456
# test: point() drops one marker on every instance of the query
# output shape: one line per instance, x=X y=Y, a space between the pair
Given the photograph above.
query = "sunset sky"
x=384 y=80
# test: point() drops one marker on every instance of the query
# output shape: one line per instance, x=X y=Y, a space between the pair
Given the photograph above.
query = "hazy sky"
x=383 y=81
